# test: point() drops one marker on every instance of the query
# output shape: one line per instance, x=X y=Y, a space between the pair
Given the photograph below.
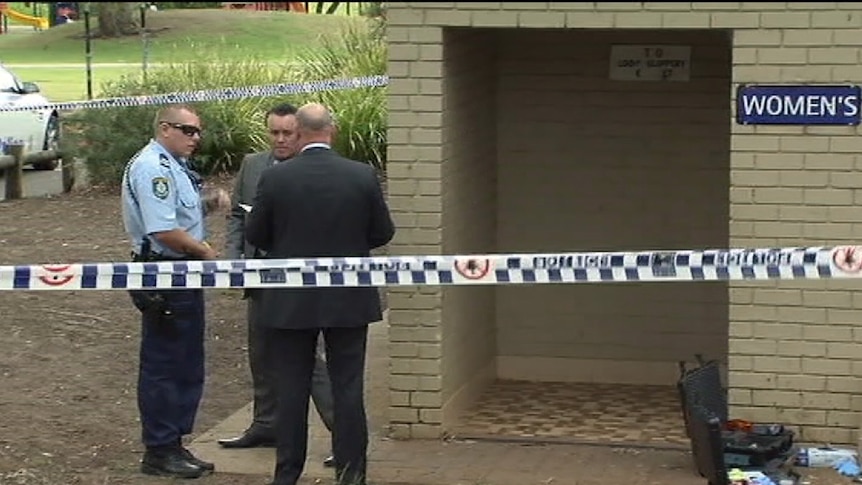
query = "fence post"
x=15 y=174
x=68 y=169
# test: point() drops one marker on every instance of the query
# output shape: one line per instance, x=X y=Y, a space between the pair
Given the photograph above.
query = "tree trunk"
x=117 y=19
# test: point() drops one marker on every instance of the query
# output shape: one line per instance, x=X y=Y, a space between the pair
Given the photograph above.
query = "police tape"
x=477 y=269
x=221 y=94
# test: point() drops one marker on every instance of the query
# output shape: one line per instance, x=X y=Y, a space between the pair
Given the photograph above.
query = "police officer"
x=163 y=213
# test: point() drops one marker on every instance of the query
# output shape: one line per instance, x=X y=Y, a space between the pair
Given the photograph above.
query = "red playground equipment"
x=299 y=7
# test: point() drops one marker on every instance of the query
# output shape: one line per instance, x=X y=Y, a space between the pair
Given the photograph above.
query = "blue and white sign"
x=798 y=105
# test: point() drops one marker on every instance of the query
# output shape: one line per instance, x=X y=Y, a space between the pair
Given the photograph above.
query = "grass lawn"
x=178 y=35
x=345 y=8
x=66 y=83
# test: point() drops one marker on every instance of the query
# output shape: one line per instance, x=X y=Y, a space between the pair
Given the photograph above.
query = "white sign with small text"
x=650 y=63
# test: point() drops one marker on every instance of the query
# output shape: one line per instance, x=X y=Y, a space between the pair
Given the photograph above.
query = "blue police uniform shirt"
x=160 y=193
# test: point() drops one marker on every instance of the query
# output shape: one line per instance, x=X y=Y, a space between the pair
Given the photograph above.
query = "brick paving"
x=462 y=462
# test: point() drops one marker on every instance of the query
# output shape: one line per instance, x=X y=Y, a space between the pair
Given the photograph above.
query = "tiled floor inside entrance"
x=578 y=413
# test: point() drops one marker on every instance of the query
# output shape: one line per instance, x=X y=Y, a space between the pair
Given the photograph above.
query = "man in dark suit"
x=319 y=205
x=282 y=132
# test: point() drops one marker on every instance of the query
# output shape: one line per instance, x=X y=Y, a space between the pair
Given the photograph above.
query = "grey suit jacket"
x=245 y=186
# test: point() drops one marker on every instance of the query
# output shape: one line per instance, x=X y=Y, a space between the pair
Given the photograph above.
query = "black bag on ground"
x=743 y=445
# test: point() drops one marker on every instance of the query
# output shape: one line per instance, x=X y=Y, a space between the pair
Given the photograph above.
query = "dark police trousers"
x=171 y=373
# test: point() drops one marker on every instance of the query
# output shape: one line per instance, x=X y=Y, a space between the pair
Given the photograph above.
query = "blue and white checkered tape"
x=478 y=269
x=221 y=94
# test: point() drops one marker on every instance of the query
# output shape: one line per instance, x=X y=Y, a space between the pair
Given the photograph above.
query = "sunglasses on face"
x=188 y=130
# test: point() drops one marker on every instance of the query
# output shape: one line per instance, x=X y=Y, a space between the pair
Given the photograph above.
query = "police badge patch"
x=161 y=187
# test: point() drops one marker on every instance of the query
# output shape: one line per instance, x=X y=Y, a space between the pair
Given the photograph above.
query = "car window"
x=8 y=82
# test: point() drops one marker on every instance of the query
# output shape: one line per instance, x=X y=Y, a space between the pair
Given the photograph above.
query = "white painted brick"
x=478 y=5
x=806 y=74
x=685 y=20
x=405 y=16
x=833 y=55
x=785 y=20
x=628 y=20
x=848 y=73
x=734 y=20
x=675 y=6
x=846 y=37
x=403 y=52
x=448 y=18
x=757 y=37
x=425 y=35
x=618 y=6
x=487 y=18
x=784 y=55
x=542 y=19
x=807 y=37
x=812 y=5
x=526 y=5
x=836 y=19
x=756 y=74
x=576 y=20
x=759 y=6
x=745 y=55
x=571 y=6
x=430 y=5
x=716 y=5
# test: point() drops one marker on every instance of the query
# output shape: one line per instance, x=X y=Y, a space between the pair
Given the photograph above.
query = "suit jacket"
x=319 y=205
x=245 y=186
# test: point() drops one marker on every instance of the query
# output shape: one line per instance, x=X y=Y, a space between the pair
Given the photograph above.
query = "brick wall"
x=469 y=212
x=415 y=119
x=587 y=164
x=795 y=353
x=793 y=349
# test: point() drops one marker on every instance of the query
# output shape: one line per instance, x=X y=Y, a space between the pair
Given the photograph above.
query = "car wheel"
x=52 y=142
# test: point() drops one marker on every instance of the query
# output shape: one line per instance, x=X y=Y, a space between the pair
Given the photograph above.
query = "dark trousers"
x=171 y=372
x=264 y=379
x=292 y=356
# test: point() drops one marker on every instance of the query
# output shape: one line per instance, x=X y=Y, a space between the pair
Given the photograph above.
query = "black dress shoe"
x=329 y=462
x=207 y=466
x=169 y=464
x=249 y=439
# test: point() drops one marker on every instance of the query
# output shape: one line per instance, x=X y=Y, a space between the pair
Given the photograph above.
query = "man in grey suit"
x=282 y=131
x=319 y=205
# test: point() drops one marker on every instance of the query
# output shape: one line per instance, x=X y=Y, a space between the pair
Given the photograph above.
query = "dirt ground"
x=68 y=412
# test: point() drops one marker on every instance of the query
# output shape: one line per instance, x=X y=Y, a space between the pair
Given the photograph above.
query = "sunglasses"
x=188 y=130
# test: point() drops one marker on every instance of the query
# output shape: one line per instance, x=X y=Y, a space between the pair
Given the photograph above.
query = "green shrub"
x=358 y=50
x=108 y=138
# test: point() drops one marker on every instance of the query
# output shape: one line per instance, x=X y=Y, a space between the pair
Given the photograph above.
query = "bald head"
x=315 y=124
x=313 y=117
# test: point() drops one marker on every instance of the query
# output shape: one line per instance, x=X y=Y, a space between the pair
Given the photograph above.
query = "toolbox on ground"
x=719 y=443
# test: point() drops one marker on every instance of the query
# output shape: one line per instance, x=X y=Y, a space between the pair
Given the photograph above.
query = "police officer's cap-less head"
x=178 y=129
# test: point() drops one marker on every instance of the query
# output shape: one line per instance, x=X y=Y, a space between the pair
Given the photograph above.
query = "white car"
x=38 y=129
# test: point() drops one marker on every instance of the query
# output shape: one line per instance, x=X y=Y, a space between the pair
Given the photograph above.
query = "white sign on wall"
x=650 y=63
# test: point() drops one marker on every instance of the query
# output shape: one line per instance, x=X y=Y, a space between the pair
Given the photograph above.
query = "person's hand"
x=209 y=253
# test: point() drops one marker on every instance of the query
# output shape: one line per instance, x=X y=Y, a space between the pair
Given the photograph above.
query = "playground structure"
x=40 y=23
x=299 y=7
